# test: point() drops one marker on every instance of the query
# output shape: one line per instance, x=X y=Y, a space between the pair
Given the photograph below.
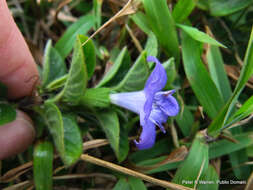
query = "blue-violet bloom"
x=153 y=105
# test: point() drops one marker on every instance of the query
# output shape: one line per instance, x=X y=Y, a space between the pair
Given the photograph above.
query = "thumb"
x=17 y=66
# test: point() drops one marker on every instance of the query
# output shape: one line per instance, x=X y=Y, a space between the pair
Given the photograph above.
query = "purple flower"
x=153 y=105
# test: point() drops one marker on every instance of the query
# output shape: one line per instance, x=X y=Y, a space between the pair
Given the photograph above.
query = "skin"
x=17 y=71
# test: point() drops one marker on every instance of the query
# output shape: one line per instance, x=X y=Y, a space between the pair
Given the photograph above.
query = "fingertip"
x=16 y=136
x=17 y=66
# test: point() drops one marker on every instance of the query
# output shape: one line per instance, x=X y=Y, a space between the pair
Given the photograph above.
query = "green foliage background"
x=206 y=48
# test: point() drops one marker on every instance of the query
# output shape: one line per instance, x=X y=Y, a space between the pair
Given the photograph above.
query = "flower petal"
x=156 y=82
x=147 y=138
x=133 y=101
x=157 y=79
x=158 y=117
x=167 y=103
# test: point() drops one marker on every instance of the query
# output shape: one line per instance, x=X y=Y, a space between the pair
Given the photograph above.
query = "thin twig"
x=18 y=186
x=16 y=172
x=174 y=134
x=135 y=40
x=249 y=185
x=60 y=6
x=239 y=123
x=127 y=9
x=133 y=173
x=95 y=144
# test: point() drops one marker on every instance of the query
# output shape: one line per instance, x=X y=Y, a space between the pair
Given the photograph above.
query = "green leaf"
x=185 y=121
x=238 y=158
x=246 y=72
x=218 y=73
x=65 y=133
x=66 y=42
x=224 y=7
x=199 y=36
x=77 y=80
x=110 y=124
x=57 y=83
x=151 y=46
x=165 y=167
x=209 y=180
x=196 y=162
x=53 y=119
x=171 y=72
x=136 y=184
x=96 y=97
x=142 y=22
x=183 y=9
x=223 y=147
x=89 y=55
x=7 y=114
x=114 y=69
x=53 y=65
x=243 y=112
x=123 y=144
x=72 y=140
x=122 y=185
x=203 y=4
x=162 y=24
x=97 y=11
x=3 y=91
x=136 y=77
x=201 y=83
x=43 y=157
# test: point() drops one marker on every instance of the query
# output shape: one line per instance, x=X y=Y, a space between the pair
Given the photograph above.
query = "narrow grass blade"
x=199 y=36
x=201 y=83
x=223 y=147
x=209 y=180
x=162 y=24
x=183 y=9
x=243 y=112
x=195 y=164
x=218 y=73
x=246 y=72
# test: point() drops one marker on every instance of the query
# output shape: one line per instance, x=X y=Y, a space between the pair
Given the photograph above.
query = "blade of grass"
x=183 y=9
x=162 y=24
x=247 y=71
x=201 y=83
